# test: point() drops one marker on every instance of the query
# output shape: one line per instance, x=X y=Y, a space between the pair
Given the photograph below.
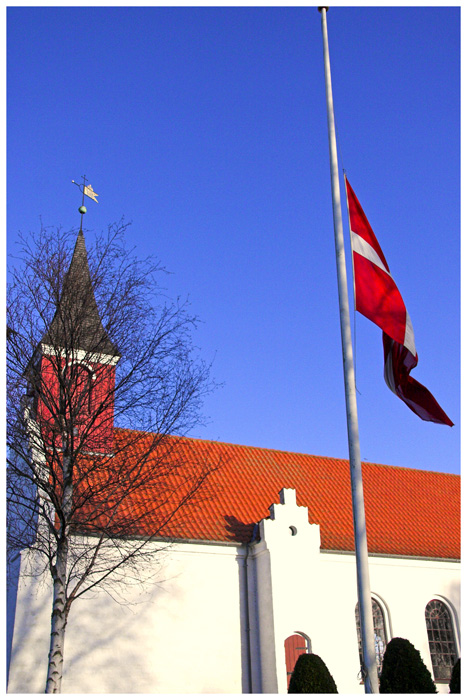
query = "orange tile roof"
x=408 y=511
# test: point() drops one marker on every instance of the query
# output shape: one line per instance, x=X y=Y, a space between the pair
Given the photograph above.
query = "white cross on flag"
x=377 y=298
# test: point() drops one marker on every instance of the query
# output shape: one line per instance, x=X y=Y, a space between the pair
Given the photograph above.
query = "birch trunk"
x=58 y=624
x=60 y=604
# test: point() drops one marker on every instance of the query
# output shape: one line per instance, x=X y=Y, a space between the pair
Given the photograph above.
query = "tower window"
x=82 y=391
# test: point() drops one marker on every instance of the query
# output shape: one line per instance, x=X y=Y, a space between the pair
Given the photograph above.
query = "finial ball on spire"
x=82 y=210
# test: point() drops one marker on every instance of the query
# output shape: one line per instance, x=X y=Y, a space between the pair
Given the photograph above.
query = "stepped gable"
x=409 y=512
x=77 y=322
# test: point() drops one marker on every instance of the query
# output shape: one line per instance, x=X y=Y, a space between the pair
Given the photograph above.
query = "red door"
x=295 y=645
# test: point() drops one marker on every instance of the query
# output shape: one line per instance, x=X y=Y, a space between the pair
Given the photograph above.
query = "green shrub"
x=403 y=670
x=311 y=675
x=455 y=682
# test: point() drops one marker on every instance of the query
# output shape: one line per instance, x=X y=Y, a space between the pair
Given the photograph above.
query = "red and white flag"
x=377 y=298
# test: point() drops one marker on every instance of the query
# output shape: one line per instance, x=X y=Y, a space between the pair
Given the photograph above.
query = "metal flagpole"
x=361 y=550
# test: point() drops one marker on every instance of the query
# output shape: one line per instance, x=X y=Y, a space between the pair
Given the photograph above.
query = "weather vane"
x=89 y=192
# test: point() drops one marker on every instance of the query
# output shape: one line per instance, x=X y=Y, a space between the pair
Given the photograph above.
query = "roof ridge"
x=290 y=452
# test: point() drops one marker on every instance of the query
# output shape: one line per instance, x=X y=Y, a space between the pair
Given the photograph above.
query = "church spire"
x=77 y=323
x=76 y=368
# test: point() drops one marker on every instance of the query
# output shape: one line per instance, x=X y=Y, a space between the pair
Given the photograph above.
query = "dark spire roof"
x=77 y=323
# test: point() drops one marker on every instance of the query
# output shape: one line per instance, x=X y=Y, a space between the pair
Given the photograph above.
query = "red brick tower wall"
x=92 y=404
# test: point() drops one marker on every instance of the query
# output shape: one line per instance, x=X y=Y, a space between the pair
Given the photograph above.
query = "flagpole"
x=358 y=507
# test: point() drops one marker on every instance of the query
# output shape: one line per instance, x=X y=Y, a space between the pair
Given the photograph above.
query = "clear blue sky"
x=206 y=127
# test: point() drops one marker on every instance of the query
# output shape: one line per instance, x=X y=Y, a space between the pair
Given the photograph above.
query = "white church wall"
x=186 y=632
x=406 y=586
x=183 y=634
x=266 y=634
x=403 y=586
x=293 y=547
x=30 y=645
x=315 y=594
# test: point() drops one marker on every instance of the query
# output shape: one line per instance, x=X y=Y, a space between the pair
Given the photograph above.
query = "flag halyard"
x=378 y=298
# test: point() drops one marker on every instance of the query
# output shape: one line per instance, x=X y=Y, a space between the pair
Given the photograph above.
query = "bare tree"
x=94 y=344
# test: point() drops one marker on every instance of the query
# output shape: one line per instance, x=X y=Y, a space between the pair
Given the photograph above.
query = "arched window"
x=380 y=633
x=78 y=394
x=441 y=639
x=81 y=390
x=295 y=645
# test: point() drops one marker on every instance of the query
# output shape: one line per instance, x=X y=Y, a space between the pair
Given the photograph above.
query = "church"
x=255 y=569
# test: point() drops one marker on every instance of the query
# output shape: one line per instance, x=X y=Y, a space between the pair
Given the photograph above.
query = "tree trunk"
x=60 y=604
x=58 y=623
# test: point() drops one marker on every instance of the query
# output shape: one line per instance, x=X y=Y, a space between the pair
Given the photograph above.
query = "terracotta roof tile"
x=408 y=511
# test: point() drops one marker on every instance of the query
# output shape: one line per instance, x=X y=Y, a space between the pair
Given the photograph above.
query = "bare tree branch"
x=94 y=344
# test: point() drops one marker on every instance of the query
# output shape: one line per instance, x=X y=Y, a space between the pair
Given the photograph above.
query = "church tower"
x=75 y=366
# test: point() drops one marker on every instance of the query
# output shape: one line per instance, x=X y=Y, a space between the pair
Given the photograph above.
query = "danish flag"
x=378 y=298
